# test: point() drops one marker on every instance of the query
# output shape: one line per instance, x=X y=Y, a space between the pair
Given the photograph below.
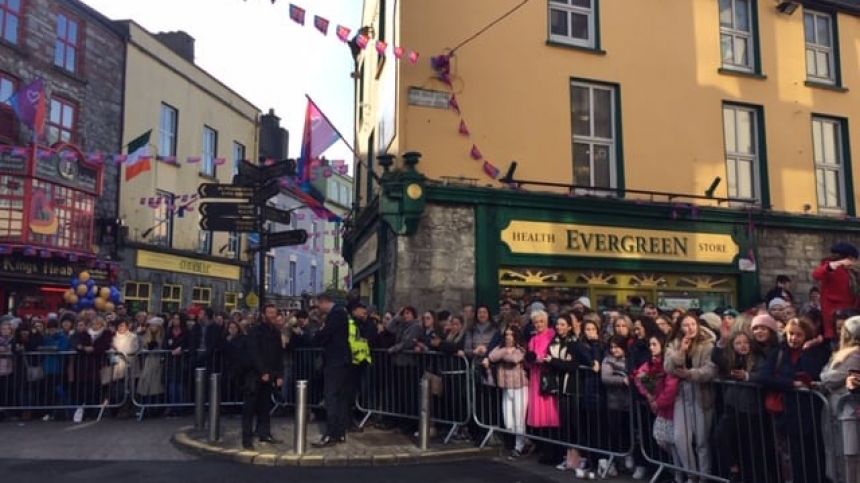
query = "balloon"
x=115 y=295
x=99 y=303
x=104 y=293
x=94 y=291
x=90 y=283
x=67 y=294
x=73 y=299
x=86 y=303
x=110 y=307
x=82 y=290
x=84 y=276
x=75 y=282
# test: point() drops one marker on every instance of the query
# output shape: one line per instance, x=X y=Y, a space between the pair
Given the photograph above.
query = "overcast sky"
x=254 y=47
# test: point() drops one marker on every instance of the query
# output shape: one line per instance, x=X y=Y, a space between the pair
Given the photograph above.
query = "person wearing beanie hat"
x=843 y=365
x=584 y=301
x=839 y=278
x=712 y=321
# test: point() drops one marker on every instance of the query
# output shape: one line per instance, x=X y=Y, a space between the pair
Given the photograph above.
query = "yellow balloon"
x=84 y=277
x=99 y=303
x=68 y=294
x=104 y=293
x=82 y=290
x=73 y=299
x=109 y=307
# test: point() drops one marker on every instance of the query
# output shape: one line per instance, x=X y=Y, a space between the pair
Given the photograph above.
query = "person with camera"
x=264 y=368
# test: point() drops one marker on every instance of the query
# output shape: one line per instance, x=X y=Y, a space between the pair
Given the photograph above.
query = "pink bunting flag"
x=361 y=41
x=95 y=158
x=19 y=151
x=168 y=159
x=464 y=130
x=453 y=104
x=120 y=158
x=193 y=159
x=343 y=33
x=476 y=153
x=381 y=47
x=490 y=170
x=43 y=154
x=327 y=172
x=413 y=57
x=220 y=161
x=297 y=14
x=321 y=24
x=398 y=52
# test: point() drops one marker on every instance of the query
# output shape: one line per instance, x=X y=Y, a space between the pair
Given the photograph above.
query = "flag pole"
x=351 y=148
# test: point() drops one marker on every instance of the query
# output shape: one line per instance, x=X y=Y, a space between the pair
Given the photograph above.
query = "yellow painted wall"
x=155 y=75
x=514 y=90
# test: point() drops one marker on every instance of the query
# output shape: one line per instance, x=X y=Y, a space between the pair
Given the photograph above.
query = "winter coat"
x=836 y=294
x=841 y=426
x=511 y=373
x=542 y=408
x=55 y=364
x=652 y=379
x=702 y=369
x=334 y=338
x=563 y=363
x=613 y=373
x=177 y=366
x=126 y=347
x=480 y=334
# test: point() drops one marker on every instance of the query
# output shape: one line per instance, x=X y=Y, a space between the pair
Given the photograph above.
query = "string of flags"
x=362 y=40
x=441 y=64
x=89 y=259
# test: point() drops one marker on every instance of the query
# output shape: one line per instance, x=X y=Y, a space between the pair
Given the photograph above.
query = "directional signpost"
x=253 y=186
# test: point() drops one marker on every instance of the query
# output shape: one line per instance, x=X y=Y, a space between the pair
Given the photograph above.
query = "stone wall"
x=435 y=268
x=794 y=253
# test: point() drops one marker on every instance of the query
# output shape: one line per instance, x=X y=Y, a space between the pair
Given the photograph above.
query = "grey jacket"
x=613 y=373
x=843 y=421
x=480 y=334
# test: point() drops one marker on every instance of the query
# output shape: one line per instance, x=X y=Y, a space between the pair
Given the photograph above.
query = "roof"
x=847 y=6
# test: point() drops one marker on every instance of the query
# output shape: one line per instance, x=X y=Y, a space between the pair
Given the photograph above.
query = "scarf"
x=94 y=334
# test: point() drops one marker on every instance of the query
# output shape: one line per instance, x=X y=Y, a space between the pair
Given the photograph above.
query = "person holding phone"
x=838 y=274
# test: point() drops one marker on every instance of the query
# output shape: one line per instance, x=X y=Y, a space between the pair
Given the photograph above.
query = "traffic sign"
x=279 y=169
x=244 y=225
x=265 y=192
x=278 y=216
x=252 y=300
x=215 y=190
x=228 y=210
x=285 y=238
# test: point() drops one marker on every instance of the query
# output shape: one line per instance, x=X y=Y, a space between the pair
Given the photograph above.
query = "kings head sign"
x=541 y=238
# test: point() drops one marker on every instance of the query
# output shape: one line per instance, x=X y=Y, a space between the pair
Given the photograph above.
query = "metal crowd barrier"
x=53 y=380
x=390 y=387
x=303 y=364
x=842 y=429
x=589 y=416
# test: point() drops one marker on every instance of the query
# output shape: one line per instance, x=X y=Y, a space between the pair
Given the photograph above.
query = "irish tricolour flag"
x=139 y=157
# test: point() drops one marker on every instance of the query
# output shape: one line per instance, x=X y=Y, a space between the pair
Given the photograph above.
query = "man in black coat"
x=333 y=337
x=265 y=353
x=207 y=341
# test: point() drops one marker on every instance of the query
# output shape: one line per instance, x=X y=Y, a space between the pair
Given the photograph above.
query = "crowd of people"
x=722 y=392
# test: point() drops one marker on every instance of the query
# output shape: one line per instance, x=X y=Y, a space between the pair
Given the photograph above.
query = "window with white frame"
x=271 y=276
x=167 y=131
x=740 y=126
x=210 y=150
x=820 y=47
x=829 y=163
x=204 y=242
x=573 y=22
x=238 y=155
x=594 y=135
x=736 y=34
x=313 y=279
x=234 y=244
x=162 y=230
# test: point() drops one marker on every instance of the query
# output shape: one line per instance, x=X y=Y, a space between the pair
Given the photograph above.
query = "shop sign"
x=44 y=270
x=365 y=255
x=542 y=238
x=193 y=266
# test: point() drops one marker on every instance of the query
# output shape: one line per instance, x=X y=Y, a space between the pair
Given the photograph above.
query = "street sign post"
x=214 y=190
x=228 y=210
x=242 y=225
x=278 y=216
x=265 y=192
x=285 y=238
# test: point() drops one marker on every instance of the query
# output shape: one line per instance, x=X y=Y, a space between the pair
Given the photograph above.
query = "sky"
x=253 y=47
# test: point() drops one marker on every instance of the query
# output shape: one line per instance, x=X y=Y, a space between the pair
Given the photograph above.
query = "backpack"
x=358 y=345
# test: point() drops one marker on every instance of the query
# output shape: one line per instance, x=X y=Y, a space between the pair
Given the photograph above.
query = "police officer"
x=333 y=337
x=264 y=352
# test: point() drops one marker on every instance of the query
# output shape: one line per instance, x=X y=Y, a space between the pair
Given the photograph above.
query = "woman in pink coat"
x=543 y=409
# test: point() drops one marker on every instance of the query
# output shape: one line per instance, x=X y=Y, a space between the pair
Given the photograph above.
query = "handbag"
x=774 y=402
x=436 y=386
x=664 y=431
x=549 y=383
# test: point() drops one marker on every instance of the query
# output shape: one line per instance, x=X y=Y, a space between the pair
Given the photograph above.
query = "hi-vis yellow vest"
x=358 y=345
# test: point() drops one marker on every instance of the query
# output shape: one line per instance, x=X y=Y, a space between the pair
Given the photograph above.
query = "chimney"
x=274 y=140
x=179 y=42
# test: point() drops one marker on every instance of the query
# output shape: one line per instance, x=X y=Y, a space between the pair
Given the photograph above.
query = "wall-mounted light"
x=787 y=7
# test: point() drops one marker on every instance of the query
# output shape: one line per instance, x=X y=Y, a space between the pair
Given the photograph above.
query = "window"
x=314 y=235
x=337 y=236
x=293 y=280
x=162 y=228
x=210 y=150
x=820 y=47
x=335 y=275
x=66 y=44
x=234 y=244
x=204 y=240
x=10 y=20
x=231 y=301
x=201 y=296
x=270 y=274
x=829 y=163
x=12 y=206
x=740 y=125
x=74 y=212
x=137 y=296
x=62 y=121
x=238 y=155
x=573 y=22
x=737 y=40
x=8 y=86
x=594 y=135
x=313 y=278
x=167 y=131
x=171 y=298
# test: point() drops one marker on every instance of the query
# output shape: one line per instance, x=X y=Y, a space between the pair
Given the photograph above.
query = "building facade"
x=199 y=131
x=58 y=196
x=686 y=162
x=336 y=188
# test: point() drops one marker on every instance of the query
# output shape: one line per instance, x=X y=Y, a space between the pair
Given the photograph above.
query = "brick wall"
x=97 y=87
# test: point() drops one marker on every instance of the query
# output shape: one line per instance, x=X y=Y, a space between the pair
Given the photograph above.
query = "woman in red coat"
x=839 y=277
